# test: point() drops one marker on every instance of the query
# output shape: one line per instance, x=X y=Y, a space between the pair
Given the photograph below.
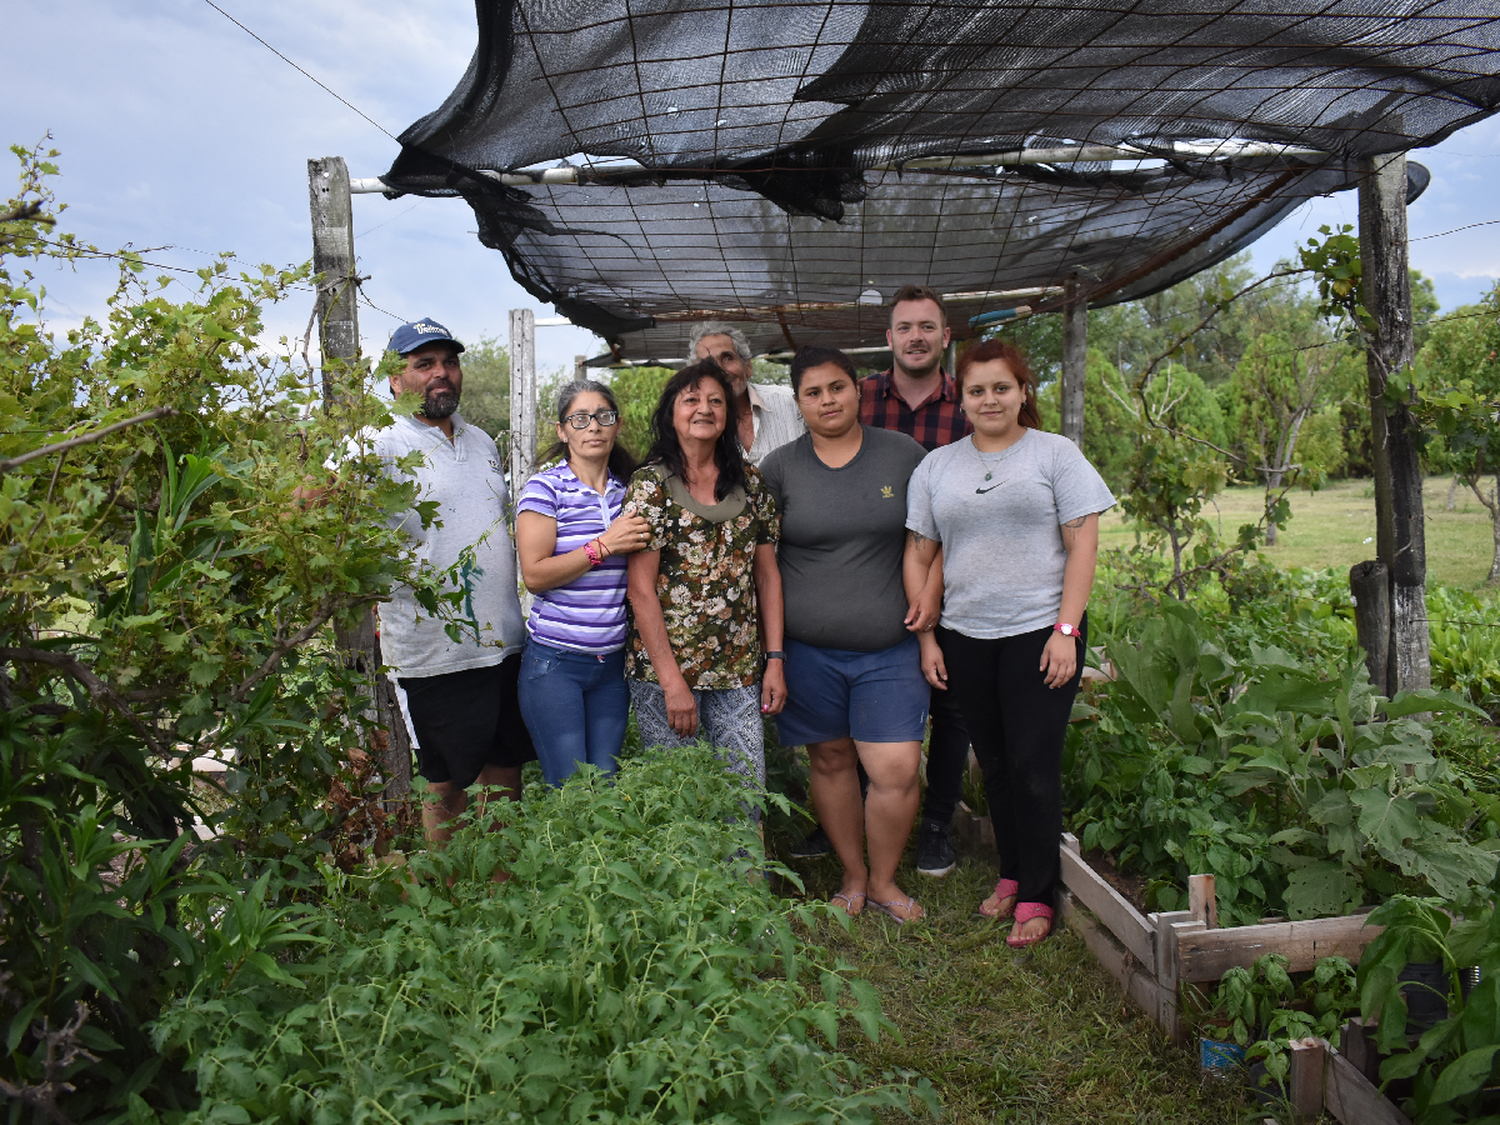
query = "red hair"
x=1015 y=361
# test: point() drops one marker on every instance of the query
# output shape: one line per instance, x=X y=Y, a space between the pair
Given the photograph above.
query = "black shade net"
x=746 y=160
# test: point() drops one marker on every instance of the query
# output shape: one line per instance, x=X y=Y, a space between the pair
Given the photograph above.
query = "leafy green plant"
x=163 y=597
x=1452 y=1064
x=1302 y=791
x=627 y=970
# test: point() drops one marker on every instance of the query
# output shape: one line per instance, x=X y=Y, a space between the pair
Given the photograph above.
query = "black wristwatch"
x=775 y=654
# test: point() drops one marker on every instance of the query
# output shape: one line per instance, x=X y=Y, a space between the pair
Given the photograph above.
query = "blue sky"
x=179 y=131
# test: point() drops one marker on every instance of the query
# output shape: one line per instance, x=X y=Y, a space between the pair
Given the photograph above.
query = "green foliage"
x=629 y=970
x=1465 y=634
x=486 y=394
x=1452 y=1064
x=1249 y=745
x=638 y=390
x=163 y=596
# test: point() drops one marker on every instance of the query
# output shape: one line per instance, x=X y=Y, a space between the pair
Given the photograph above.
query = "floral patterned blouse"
x=706 y=581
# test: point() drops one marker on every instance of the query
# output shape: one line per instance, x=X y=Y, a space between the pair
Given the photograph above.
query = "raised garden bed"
x=1153 y=955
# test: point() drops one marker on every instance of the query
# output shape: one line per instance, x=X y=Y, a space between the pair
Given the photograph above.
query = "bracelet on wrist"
x=593 y=553
x=775 y=654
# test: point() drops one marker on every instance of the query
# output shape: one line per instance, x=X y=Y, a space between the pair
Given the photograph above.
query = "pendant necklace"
x=989 y=467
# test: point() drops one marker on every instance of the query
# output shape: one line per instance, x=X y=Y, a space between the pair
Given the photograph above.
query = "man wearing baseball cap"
x=460 y=694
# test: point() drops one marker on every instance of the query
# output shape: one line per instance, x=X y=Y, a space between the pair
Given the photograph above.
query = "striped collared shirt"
x=938 y=421
x=777 y=420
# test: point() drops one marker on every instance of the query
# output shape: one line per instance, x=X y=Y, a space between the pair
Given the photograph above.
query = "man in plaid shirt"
x=917 y=397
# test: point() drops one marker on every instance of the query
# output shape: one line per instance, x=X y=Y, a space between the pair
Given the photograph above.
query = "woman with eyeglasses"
x=572 y=539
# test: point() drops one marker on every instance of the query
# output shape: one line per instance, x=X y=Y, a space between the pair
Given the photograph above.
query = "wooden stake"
x=522 y=398
x=338 y=341
x=1074 y=362
x=333 y=261
x=1203 y=904
x=1400 y=533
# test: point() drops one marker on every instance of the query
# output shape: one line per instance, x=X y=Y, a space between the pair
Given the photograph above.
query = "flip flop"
x=849 y=903
x=1005 y=888
x=907 y=904
x=1025 y=912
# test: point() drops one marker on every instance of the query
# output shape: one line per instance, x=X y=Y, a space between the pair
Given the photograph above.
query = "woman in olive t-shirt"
x=856 y=692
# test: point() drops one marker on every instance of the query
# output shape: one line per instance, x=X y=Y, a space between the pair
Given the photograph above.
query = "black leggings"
x=1016 y=724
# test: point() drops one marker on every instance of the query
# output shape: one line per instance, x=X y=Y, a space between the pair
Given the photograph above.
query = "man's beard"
x=439 y=403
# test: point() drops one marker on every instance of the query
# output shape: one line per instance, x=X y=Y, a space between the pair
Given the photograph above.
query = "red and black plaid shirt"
x=935 y=422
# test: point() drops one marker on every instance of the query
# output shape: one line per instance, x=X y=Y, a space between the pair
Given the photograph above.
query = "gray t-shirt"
x=842 y=536
x=465 y=477
x=1003 y=556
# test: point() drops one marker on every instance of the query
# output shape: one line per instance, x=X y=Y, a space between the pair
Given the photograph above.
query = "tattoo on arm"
x=1076 y=524
x=917 y=538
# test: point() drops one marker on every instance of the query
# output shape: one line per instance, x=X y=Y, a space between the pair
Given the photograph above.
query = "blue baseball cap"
x=409 y=337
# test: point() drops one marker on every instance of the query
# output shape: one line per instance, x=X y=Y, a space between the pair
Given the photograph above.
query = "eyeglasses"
x=581 y=421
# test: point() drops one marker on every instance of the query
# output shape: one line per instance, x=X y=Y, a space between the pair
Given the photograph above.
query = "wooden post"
x=1074 y=362
x=1305 y=1078
x=522 y=398
x=338 y=341
x=1370 y=583
x=1399 y=529
x=333 y=262
x=580 y=372
x=1203 y=904
x=950 y=358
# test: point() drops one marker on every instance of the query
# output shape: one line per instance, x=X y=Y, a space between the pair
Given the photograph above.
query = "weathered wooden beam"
x=522 y=398
x=1108 y=904
x=1208 y=954
x=1399 y=525
x=1135 y=978
x=1203 y=904
x=333 y=261
x=1353 y=1098
x=1305 y=1077
x=337 y=313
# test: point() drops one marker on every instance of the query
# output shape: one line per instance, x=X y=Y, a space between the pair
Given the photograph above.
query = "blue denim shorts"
x=834 y=693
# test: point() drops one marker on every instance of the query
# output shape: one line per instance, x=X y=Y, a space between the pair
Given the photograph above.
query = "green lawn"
x=1335 y=527
x=1041 y=1035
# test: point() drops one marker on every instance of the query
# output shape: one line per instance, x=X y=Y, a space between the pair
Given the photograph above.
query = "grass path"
x=1037 y=1036
x=1335 y=526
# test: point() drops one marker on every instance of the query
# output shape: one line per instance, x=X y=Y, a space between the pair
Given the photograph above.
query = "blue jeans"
x=576 y=707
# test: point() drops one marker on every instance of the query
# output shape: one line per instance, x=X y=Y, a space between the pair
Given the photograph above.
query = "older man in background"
x=768 y=413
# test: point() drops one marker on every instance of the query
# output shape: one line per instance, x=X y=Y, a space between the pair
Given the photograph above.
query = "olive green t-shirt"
x=843 y=532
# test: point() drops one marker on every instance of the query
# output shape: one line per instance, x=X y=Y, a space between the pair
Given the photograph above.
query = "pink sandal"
x=1025 y=912
x=1004 y=889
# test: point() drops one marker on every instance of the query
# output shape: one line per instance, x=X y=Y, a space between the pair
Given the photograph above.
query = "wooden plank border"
x=1208 y=954
x=1112 y=908
x=1135 y=978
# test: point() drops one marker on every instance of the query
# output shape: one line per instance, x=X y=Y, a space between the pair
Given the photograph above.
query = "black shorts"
x=464 y=721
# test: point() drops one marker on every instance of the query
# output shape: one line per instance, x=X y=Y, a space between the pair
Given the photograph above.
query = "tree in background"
x=637 y=390
x=1296 y=365
x=1458 y=372
x=487 y=386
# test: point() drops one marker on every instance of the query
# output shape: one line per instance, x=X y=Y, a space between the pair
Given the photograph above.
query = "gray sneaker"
x=935 y=854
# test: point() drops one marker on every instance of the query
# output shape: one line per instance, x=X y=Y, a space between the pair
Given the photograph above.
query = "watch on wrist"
x=775 y=654
x=1065 y=629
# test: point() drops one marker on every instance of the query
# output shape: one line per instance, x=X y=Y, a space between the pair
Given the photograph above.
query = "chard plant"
x=1302 y=791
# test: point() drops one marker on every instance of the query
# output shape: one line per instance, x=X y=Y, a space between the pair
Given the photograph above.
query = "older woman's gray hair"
x=718 y=328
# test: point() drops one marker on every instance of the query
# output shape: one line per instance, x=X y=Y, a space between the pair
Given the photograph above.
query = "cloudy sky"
x=182 y=134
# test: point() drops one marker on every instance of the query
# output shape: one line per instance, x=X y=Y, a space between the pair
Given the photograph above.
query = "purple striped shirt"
x=588 y=614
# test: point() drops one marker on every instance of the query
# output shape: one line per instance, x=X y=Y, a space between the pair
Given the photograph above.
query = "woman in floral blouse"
x=707 y=573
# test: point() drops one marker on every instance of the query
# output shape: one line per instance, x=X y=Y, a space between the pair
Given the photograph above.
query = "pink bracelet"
x=593 y=553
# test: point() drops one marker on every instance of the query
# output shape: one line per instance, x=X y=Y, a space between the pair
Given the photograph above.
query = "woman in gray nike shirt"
x=1016 y=513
